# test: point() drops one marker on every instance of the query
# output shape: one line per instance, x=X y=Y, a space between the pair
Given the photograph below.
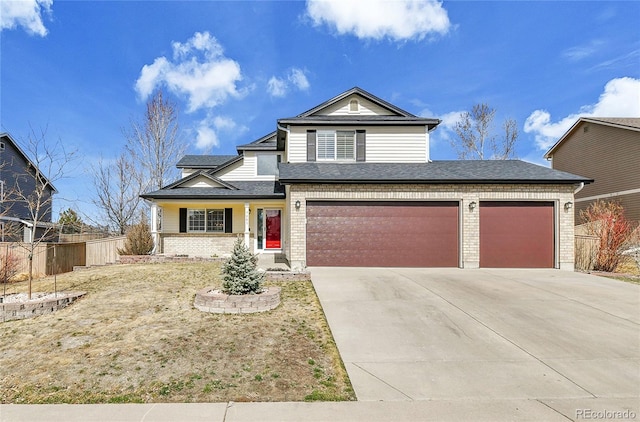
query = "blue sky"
x=84 y=69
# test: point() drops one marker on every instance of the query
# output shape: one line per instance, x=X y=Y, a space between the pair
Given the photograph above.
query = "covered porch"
x=209 y=228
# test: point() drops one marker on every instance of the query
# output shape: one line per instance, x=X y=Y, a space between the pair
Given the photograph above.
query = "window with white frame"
x=336 y=145
x=209 y=220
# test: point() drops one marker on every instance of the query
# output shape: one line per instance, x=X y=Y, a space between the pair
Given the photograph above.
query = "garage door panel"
x=382 y=234
x=517 y=235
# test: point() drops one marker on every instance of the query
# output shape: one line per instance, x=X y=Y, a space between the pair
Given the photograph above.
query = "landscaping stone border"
x=158 y=259
x=34 y=308
x=210 y=300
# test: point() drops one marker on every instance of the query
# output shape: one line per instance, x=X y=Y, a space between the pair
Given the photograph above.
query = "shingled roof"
x=243 y=190
x=458 y=171
x=203 y=161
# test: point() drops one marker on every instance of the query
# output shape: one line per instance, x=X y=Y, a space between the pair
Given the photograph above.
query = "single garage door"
x=382 y=234
x=516 y=235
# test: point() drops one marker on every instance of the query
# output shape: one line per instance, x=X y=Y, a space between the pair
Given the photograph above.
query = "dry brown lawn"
x=136 y=337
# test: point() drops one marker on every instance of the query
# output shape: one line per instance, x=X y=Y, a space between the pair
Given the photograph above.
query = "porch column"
x=246 y=224
x=154 y=226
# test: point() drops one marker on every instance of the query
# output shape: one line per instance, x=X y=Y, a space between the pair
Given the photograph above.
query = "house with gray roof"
x=350 y=182
x=606 y=150
x=21 y=182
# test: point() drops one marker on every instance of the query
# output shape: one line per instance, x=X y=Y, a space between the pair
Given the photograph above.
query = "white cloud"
x=299 y=79
x=398 y=20
x=206 y=138
x=445 y=130
x=24 y=13
x=199 y=70
x=580 y=52
x=279 y=87
x=621 y=98
x=210 y=129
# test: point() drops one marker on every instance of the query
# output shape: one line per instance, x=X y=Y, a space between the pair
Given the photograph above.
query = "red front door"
x=273 y=229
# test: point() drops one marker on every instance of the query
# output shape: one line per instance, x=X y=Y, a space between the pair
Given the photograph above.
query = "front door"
x=269 y=229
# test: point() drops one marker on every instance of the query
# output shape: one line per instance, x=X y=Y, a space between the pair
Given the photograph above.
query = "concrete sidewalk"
x=411 y=411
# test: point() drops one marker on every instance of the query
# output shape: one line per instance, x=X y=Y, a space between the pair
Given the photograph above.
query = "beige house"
x=350 y=183
x=608 y=151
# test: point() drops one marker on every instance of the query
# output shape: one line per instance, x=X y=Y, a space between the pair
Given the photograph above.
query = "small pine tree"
x=138 y=241
x=241 y=276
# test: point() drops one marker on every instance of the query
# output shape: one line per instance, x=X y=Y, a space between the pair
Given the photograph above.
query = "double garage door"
x=426 y=234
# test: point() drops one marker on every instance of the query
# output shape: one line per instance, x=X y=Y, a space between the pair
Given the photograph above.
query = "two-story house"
x=20 y=184
x=350 y=183
x=608 y=151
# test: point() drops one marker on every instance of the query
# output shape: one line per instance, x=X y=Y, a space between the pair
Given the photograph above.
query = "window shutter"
x=228 y=220
x=183 y=220
x=361 y=145
x=311 y=145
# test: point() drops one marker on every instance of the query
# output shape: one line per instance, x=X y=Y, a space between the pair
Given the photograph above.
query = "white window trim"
x=335 y=146
x=206 y=210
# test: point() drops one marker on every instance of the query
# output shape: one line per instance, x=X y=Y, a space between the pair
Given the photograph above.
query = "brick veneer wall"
x=470 y=227
x=203 y=245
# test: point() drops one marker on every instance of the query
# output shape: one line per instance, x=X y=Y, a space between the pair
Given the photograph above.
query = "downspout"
x=578 y=189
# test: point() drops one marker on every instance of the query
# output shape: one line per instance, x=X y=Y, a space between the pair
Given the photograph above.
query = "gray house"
x=20 y=183
x=351 y=182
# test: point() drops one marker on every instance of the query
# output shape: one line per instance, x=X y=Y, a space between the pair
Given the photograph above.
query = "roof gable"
x=7 y=138
x=199 y=179
x=627 y=123
x=339 y=105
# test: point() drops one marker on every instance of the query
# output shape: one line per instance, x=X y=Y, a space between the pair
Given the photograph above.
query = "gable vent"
x=354 y=107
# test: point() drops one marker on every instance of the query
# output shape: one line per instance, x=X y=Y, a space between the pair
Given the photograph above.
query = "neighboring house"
x=608 y=151
x=350 y=183
x=16 y=173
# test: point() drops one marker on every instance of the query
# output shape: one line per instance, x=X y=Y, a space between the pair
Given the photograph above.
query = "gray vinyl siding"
x=14 y=173
x=610 y=156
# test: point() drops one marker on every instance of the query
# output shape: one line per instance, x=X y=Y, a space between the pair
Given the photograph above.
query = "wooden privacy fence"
x=586 y=251
x=48 y=258
x=103 y=251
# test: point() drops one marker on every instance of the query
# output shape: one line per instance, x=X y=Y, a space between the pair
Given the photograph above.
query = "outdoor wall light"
x=472 y=205
x=297 y=205
x=568 y=206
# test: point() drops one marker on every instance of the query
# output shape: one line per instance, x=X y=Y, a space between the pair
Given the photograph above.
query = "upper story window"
x=336 y=145
x=268 y=164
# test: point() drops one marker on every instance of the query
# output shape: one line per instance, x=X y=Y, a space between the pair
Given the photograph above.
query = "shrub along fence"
x=48 y=258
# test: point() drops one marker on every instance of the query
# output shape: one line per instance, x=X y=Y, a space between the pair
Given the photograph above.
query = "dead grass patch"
x=136 y=337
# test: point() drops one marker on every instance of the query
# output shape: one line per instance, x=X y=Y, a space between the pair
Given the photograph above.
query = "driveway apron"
x=428 y=334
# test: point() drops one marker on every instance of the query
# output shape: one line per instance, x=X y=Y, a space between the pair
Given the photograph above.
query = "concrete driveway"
x=562 y=338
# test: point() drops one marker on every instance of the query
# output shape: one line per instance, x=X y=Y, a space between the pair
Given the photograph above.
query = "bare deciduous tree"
x=476 y=140
x=153 y=142
x=117 y=189
x=32 y=193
